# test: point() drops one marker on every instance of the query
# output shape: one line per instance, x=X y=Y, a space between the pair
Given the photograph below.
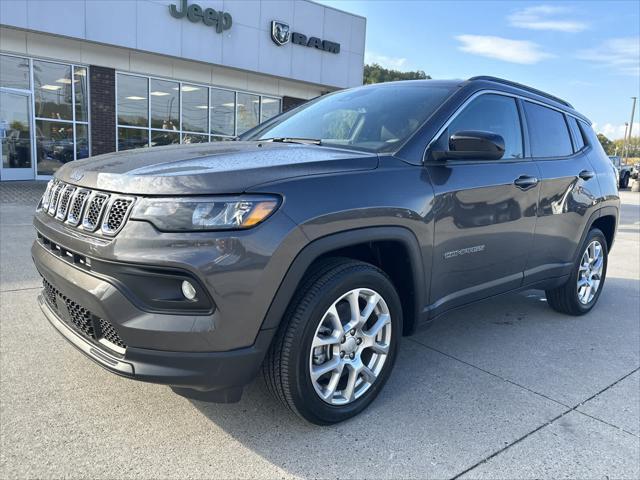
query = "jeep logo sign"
x=195 y=13
x=281 y=34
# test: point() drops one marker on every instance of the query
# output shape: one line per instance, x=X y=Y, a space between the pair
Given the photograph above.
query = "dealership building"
x=85 y=77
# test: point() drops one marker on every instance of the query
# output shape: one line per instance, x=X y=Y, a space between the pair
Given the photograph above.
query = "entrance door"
x=15 y=133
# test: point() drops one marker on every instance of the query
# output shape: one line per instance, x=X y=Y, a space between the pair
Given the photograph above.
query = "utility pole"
x=624 y=141
x=633 y=111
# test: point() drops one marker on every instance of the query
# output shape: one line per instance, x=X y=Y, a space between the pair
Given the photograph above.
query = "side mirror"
x=472 y=145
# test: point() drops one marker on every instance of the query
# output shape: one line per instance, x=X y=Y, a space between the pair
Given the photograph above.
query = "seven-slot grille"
x=88 y=210
x=82 y=320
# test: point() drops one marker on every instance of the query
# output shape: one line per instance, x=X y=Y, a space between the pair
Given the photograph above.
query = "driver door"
x=484 y=210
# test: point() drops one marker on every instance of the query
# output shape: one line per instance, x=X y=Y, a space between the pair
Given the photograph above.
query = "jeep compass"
x=305 y=249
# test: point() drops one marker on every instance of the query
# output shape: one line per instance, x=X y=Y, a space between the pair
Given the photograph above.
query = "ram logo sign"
x=281 y=35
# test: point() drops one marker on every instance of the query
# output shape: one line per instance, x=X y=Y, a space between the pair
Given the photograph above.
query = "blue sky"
x=586 y=52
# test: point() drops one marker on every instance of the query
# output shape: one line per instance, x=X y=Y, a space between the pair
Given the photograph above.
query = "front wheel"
x=338 y=342
x=584 y=286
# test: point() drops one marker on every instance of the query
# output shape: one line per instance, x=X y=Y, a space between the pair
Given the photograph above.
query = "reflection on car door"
x=568 y=190
x=484 y=221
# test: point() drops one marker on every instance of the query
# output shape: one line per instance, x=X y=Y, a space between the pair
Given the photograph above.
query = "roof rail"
x=521 y=86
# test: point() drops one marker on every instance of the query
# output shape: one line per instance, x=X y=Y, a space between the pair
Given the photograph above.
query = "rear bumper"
x=195 y=370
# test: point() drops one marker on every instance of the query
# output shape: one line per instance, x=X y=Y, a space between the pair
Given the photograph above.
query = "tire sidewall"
x=305 y=398
x=594 y=234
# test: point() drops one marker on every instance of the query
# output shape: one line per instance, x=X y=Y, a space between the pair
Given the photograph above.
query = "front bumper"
x=76 y=303
x=198 y=371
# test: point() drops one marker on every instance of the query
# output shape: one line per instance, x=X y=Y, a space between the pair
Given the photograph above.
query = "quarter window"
x=549 y=136
x=577 y=134
x=491 y=113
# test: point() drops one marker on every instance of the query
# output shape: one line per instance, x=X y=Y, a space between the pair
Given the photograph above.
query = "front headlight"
x=205 y=213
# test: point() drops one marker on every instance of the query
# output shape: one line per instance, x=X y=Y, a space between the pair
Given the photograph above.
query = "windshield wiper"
x=303 y=141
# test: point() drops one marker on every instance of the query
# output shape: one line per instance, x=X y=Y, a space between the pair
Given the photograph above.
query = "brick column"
x=102 y=92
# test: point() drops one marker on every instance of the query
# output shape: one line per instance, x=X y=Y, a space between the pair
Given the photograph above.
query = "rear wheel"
x=338 y=342
x=582 y=290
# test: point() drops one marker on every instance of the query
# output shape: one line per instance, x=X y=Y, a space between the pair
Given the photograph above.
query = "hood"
x=211 y=168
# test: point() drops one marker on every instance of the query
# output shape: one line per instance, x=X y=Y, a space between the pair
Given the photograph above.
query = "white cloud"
x=619 y=54
x=547 y=17
x=394 y=63
x=615 y=131
x=516 y=51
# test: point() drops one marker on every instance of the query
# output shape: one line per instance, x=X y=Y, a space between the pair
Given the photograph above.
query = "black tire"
x=286 y=366
x=624 y=183
x=564 y=299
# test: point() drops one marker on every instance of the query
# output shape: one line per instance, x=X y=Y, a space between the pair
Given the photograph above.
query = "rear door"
x=568 y=190
x=484 y=210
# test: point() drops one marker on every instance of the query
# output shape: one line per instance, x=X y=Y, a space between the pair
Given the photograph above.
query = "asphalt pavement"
x=506 y=388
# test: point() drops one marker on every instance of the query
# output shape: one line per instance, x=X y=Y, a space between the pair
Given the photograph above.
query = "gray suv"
x=308 y=247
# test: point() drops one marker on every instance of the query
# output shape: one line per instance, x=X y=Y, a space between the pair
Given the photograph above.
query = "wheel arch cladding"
x=607 y=224
x=395 y=250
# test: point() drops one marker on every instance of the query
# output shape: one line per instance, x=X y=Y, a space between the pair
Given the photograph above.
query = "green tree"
x=374 y=73
x=607 y=144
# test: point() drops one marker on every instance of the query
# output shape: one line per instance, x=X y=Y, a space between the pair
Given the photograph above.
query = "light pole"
x=628 y=142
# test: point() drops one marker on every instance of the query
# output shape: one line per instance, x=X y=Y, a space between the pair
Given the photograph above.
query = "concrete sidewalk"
x=502 y=389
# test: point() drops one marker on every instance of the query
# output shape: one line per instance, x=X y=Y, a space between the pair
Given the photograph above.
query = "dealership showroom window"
x=95 y=78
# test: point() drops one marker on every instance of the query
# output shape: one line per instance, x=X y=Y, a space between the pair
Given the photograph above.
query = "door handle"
x=586 y=174
x=525 y=181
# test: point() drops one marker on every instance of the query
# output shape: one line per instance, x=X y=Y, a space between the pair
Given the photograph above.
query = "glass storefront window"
x=53 y=126
x=14 y=72
x=247 y=111
x=195 y=108
x=270 y=107
x=80 y=87
x=82 y=141
x=171 y=112
x=165 y=104
x=53 y=90
x=160 y=138
x=54 y=145
x=15 y=130
x=133 y=107
x=223 y=104
x=130 y=138
x=194 y=138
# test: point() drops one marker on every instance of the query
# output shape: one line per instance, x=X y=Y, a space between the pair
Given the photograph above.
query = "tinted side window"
x=491 y=113
x=577 y=134
x=548 y=131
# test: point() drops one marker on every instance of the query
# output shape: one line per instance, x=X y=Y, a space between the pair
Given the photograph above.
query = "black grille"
x=76 y=207
x=116 y=215
x=109 y=333
x=90 y=326
x=94 y=211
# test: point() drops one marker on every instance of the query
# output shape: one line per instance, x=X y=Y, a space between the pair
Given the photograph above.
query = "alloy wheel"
x=590 y=272
x=350 y=346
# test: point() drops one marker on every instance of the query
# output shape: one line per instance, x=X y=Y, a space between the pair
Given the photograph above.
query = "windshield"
x=373 y=119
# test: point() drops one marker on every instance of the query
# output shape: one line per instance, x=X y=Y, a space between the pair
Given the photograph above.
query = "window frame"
x=566 y=124
x=523 y=120
x=181 y=131
x=34 y=119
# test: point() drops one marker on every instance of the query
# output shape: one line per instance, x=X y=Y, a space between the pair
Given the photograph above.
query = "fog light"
x=188 y=290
